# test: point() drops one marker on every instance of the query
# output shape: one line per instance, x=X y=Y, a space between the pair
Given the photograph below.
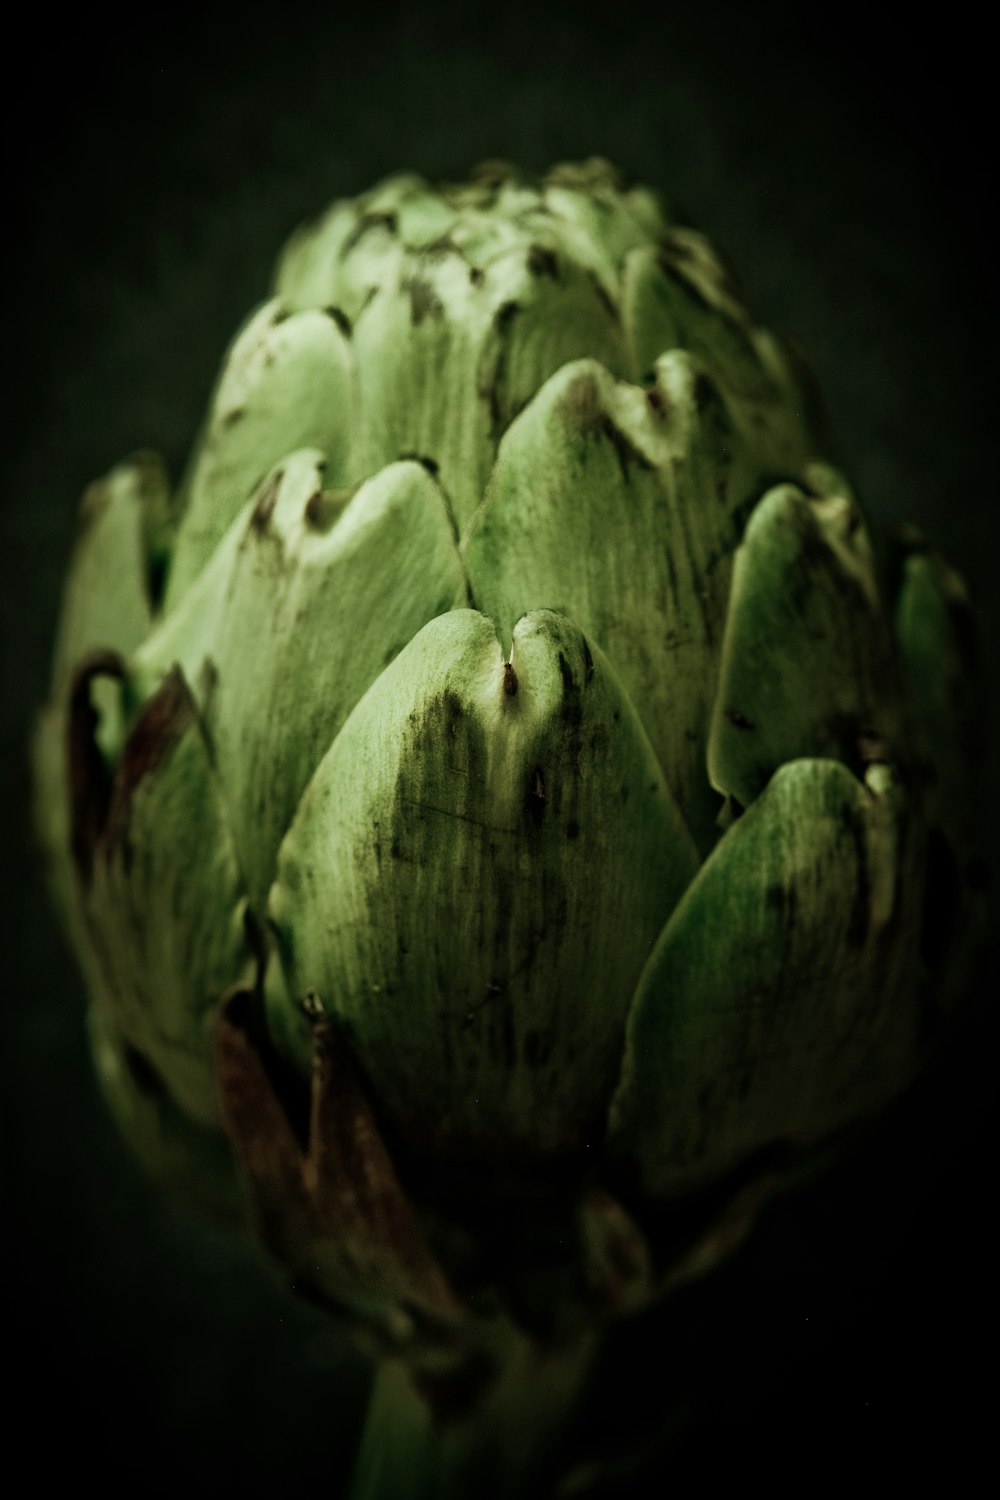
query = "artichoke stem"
x=499 y=1450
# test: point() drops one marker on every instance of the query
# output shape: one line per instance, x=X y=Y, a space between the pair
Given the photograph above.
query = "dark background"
x=154 y=166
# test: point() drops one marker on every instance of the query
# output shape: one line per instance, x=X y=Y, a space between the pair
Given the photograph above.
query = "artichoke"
x=507 y=821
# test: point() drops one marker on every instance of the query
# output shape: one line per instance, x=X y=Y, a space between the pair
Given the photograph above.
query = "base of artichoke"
x=419 y=1443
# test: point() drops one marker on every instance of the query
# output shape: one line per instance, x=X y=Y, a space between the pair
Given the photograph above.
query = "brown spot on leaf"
x=424 y=300
x=341 y=319
x=264 y=509
x=164 y=720
x=504 y=315
x=442 y=247
x=603 y=297
x=314 y=510
x=583 y=404
x=323 y=507
x=704 y=390
x=312 y=1006
x=258 y=1127
x=208 y=683
x=335 y=1212
x=365 y=225
x=543 y=262
x=430 y=464
x=534 y=802
x=142 y=1073
x=355 y=1188
x=738 y=719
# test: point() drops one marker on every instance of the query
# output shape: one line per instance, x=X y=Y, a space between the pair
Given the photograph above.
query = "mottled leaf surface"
x=807 y=667
x=775 y=1007
x=624 y=508
x=310 y=596
x=286 y=384
x=461 y=301
x=475 y=878
x=679 y=294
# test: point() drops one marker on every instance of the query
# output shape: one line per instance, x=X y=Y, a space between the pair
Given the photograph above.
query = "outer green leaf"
x=343 y=583
x=106 y=603
x=106 y=607
x=389 y=195
x=286 y=384
x=454 y=870
x=806 y=662
x=424 y=216
x=623 y=508
x=770 y=1011
x=163 y=897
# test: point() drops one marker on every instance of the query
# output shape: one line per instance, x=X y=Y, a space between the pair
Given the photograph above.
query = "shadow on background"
x=155 y=167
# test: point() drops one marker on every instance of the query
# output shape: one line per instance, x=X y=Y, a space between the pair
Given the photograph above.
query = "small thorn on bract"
x=872 y=747
x=312 y=1006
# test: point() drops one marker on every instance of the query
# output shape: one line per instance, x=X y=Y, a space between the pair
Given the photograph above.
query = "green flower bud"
x=498 y=804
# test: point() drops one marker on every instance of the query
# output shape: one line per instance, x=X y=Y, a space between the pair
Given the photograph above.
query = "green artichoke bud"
x=498 y=804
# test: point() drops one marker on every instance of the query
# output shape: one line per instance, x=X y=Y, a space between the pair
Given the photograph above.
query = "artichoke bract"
x=498 y=804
